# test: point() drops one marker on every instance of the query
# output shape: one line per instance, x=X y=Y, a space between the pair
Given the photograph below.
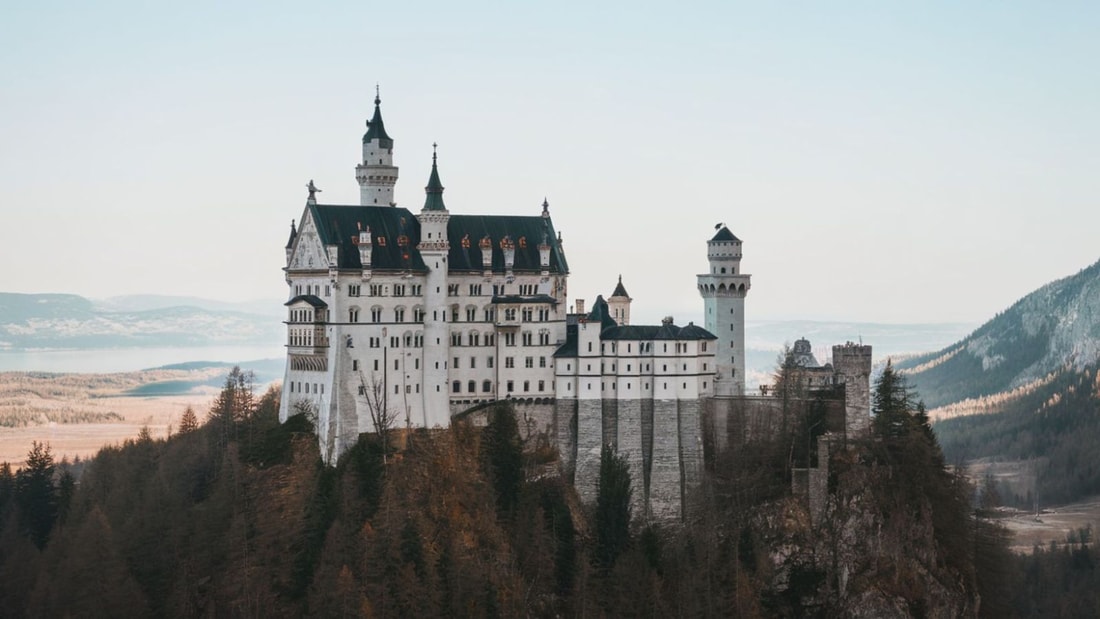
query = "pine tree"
x=189 y=422
x=37 y=495
x=612 y=508
x=892 y=403
x=504 y=457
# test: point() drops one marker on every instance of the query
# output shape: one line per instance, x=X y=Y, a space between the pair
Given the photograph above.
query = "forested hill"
x=1055 y=326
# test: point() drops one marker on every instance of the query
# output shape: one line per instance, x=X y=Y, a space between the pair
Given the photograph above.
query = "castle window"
x=397 y=364
x=509 y=362
x=526 y=338
x=704 y=384
x=328 y=291
x=704 y=367
x=376 y=314
x=362 y=390
x=511 y=386
x=529 y=362
x=628 y=366
x=473 y=362
x=685 y=385
x=354 y=365
x=542 y=385
x=475 y=290
x=452 y=290
x=526 y=386
x=526 y=314
x=455 y=365
x=542 y=362
x=353 y=290
x=399 y=290
x=475 y=338
x=590 y=347
x=665 y=348
x=487 y=386
x=509 y=339
x=418 y=340
x=544 y=339
x=456 y=387
x=471 y=387
x=394 y=341
x=353 y=314
x=489 y=363
x=408 y=388
x=396 y=389
x=418 y=314
x=376 y=365
x=454 y=313
x=456 y=339
x=568 y=386
x=703 y=346
x=647 y=385
x=471 y=314
x=416 y=364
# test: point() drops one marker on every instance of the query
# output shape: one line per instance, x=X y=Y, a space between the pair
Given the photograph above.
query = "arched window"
x=471 y=387
x=487 y=386
x=456 y=387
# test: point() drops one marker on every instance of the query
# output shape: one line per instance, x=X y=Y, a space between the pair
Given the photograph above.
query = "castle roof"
x=433 y=201
x=725 y=235
x=619 y=290
x=395 y=234
x=376 y=130
x=312 y=299
x=657 y=332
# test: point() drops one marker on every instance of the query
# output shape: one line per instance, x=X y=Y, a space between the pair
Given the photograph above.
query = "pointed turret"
x=290 y=241
x=376 y=174
x=619 y=304
x=376 y=129
x=434 y=199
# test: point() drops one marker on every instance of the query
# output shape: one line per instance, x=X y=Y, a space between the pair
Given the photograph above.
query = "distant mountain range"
x=66 y=321
x=1055 y=328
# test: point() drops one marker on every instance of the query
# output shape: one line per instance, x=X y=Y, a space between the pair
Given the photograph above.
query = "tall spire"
x=434 y=200
x=376 y=130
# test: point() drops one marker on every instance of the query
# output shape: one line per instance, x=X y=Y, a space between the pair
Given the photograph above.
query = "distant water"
x=128 y=359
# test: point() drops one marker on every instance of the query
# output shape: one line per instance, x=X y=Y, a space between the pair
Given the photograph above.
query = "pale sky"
x=881 y=162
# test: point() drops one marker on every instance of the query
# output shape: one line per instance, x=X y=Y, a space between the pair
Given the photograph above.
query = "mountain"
x=45 y=321
x=1055 y=327
x=143 y=302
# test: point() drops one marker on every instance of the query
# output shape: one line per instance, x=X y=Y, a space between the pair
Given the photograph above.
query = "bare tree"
x=382 y=417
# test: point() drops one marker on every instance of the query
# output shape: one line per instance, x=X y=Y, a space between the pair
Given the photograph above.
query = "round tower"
x=723 y=290
x=619 y=304
x=434 y=247
x=376 y=175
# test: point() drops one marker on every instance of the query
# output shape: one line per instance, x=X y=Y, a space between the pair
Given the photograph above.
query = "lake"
x=128 y=359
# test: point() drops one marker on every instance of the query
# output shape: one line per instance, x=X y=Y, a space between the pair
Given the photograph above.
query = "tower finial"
x=435 y=145
x=313 y=190
x=545 y=207
x=377 y=94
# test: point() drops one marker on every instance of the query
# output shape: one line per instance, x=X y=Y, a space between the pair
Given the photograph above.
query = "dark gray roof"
x=619 y=290
x=725 y=235
x=312 y=299
x=395 y=233
x=293 y=233
x=515 y=298
x=434 y=199
x=376 y=130
x=657 y=332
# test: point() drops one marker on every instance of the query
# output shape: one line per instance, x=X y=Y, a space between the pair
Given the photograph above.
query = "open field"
x=1053 y=524
x=79 y=413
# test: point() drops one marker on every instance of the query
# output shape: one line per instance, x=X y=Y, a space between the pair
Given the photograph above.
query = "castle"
x=429 y=315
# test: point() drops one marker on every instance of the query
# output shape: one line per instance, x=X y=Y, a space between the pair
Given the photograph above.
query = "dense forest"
x=1056 y=428
x=237 y=516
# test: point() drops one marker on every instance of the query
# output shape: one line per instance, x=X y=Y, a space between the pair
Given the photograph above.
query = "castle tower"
x=434 y=248
x=619 y=304
x=377 y=174
x=852 y=364
x=723 y=290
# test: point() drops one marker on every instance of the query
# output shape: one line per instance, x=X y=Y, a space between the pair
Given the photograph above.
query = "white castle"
x=430 y=315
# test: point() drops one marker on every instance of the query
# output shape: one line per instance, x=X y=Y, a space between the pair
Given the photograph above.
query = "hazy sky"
x=881 y=162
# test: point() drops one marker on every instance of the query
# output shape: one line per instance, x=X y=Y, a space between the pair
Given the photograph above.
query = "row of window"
x=377 y=313
x=297 y=387
x=629 y=386
x=487 y=386
x=416 y=290
x=647 y=347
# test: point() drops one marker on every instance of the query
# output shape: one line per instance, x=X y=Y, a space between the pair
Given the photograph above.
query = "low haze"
x=925 y=163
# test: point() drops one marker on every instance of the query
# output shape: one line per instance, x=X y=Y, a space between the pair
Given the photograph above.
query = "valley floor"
x=77 y=414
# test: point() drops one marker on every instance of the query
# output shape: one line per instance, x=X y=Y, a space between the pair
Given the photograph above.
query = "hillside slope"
x=1056 y=325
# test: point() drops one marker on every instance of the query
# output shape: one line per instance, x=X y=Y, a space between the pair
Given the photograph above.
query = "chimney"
x=580 y=306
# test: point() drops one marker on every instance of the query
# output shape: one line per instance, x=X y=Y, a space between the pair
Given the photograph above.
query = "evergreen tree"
x=504 y=457
x=612 y=508
x=189 y=422
x=37 y=495
x=892 y=403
